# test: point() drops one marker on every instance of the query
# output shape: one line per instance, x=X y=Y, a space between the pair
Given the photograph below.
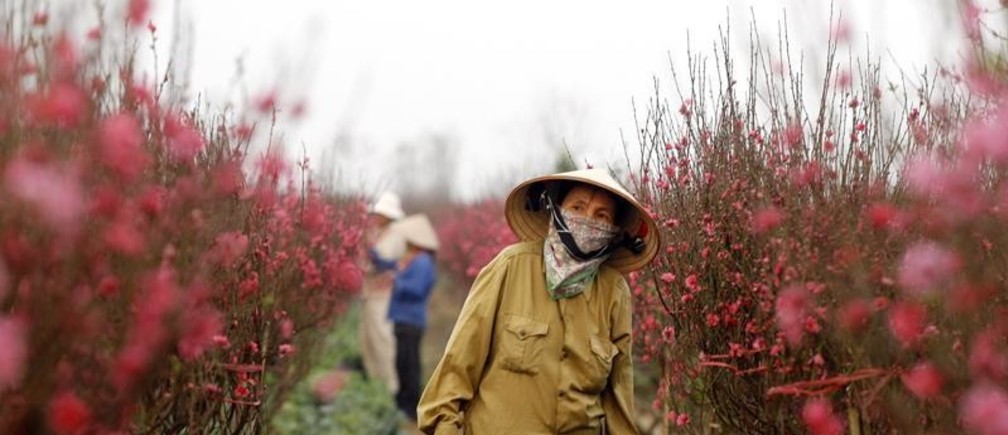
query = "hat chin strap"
x=623 y=240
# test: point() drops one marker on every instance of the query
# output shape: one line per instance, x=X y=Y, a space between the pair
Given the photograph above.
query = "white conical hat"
x=417 y=230
x=388 y=205
x=530 y=223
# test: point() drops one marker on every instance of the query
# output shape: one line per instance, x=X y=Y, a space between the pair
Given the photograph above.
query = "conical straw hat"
x=417 y=230
x=530 y=222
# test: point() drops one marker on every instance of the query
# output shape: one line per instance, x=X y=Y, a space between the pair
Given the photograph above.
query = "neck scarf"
x=565 y=275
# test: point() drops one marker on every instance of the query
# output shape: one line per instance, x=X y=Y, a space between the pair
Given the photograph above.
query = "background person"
x=411 y=290
x=543 y=342
x=375 y=332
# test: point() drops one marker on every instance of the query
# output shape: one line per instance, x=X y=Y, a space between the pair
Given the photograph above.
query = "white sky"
x=494 y=76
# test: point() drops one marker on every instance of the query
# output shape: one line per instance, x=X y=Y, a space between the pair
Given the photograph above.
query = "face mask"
x=566 y=275
x=589 y=235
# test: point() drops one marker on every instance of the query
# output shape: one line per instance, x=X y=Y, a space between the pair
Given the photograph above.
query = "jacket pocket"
x=604 y=352
x=522 y=344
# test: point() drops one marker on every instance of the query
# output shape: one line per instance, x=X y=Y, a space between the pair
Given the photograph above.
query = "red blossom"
x=767 y=219
x=906 y=322
x=63 y=106
x=923 y=380
x=986 y=360
x=68 y=414
x=819 y=418
x=184 y=142
x=15 y=351
x=122 y=146
x=854 y=315
x=199 y=329
x=791 y=311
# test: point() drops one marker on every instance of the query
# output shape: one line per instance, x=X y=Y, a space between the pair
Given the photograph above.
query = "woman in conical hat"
x=543 y=342
x=414 y=280
x=374 y=332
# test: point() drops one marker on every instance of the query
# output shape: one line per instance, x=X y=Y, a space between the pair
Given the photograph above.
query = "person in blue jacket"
x=414 y=280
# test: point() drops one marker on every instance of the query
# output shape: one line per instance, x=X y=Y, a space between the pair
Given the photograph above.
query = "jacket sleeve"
x=380 y=263
x=458 y=375
x=618 y=396
x=416 y=280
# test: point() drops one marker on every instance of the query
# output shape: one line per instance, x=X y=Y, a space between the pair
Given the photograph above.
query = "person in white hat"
x=415 y=278
x=543 y=342
x=374 y=332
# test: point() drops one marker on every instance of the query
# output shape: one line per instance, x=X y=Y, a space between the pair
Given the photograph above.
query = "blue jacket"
x=411 y=289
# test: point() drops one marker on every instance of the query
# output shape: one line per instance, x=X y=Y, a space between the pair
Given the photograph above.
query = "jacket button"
x=563 y=354
x=561 y=394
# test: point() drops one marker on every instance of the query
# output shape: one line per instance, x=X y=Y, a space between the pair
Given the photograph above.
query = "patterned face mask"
x=567 y=276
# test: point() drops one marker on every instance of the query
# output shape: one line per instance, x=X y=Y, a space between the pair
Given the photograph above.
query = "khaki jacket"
x=519 y=362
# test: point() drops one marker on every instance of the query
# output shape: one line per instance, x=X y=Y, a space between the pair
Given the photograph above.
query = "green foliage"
x=363 y=406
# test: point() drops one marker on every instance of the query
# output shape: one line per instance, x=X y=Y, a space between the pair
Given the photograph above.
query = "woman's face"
x=379 y=221
x=592 y=203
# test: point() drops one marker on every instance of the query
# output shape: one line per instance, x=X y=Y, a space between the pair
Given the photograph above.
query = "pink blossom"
x=692 y=282
x=766 y=219
x=713 y=319
x=819 y=418
x=122 y=236
x=792 y=310
x=63 y=105
x=40 y=18
x=122 y=145
x=683 y=419
x=328 y=386
x=271 y=166
x=137 y=12
x=971 y=20
x=228 y=178
x=906 y=322
x=841 y=31
x=68 y=414
x=286 y=328
x=923 y=380
x=4 y=280
x=986 y=361
x=854 y=315
x=667 y=277
x=14 y=352
x=55 y=192
x=108 y=286
x=347 y=275
x=926 y=176
x=285 y=349
x=241 y=391
x=883 y=215
x=184 y=142
x=984 y=410
x=988 y=138
x=793 y=135
x=267 y=102
x=199 y=328
x=843 y=79
x=926 y=266
x=229 y=247
x=221 y=341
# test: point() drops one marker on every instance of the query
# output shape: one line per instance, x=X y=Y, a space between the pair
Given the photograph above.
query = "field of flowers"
x=154 y=276
x=834 y=260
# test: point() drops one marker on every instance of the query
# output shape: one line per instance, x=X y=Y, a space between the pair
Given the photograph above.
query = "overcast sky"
x=496 y=78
